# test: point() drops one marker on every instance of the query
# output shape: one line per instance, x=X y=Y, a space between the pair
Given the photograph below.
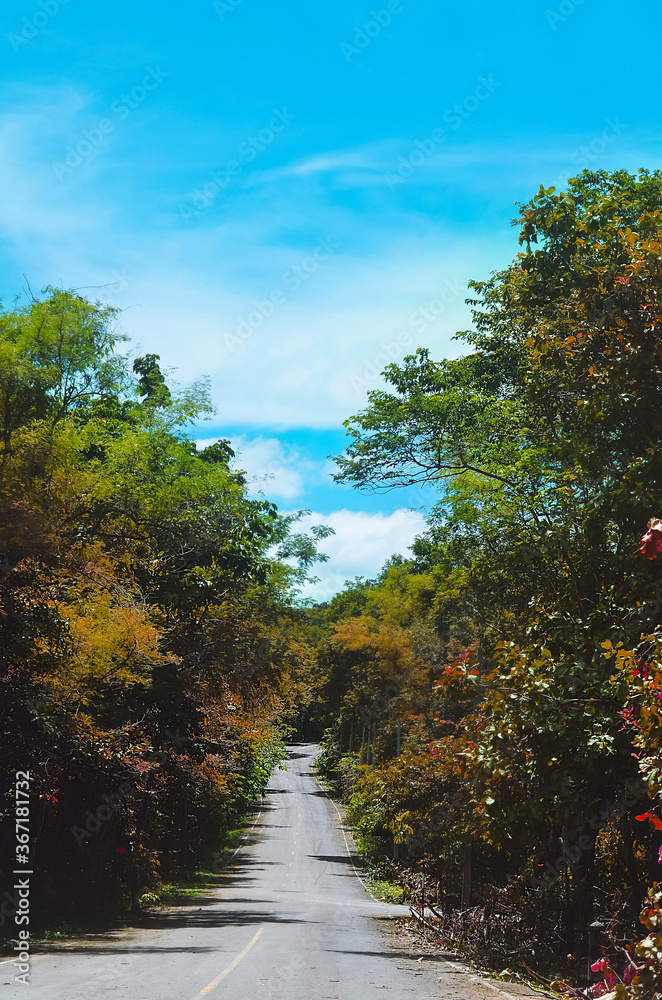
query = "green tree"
x=543 y=445
x=150 y=637
x=152 y=384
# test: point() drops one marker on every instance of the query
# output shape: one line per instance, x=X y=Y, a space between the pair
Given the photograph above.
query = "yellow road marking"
x=225 y=972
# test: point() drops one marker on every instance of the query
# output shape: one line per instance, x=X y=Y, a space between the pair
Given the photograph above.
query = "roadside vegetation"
x=490 y=708
x=493 y=704
x=153 y=653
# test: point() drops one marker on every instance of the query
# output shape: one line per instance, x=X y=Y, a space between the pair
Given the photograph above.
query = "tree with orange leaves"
x=543 y=445
x=149 y=638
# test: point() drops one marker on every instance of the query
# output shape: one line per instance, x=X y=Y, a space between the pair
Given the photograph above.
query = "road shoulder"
x=452 y=977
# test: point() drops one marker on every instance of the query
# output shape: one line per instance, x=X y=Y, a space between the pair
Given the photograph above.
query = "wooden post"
x=466 y=875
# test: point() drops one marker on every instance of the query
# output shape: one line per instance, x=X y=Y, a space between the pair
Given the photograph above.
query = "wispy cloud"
x=311 y=362
x=361 y=545
x=273 y=468
x=366 y=158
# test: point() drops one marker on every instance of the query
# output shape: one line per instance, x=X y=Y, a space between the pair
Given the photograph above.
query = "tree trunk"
x=466 y=875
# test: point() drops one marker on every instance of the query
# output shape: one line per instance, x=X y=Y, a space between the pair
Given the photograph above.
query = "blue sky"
x=286 y=196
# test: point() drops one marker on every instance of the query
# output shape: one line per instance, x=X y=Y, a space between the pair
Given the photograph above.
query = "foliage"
x=529 y=733
x=153 y=652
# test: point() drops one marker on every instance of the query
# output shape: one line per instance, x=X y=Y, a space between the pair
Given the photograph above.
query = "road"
x=289 y=921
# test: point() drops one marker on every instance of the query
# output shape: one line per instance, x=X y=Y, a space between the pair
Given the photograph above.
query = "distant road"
x=290 y=921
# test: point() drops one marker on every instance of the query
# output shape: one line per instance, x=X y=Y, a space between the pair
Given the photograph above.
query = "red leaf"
x=650 y=544
x=654 y=820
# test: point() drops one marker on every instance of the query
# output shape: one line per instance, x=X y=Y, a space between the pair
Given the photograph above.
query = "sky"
x=286 y=197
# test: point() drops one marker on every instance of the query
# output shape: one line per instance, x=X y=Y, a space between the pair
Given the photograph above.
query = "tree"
x=543 y=444
x=152 y=384
x=152 y=651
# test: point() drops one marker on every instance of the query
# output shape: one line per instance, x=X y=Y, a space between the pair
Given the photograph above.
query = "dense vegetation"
x=492 y=706
x=152 y=652
x=516 y=660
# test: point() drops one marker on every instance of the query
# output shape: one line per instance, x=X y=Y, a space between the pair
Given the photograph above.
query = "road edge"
x=473 y=974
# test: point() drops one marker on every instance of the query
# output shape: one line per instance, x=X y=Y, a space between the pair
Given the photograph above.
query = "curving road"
x=289 y=921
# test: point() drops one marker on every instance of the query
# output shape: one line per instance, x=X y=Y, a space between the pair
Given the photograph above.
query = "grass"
x=200 y=881
x=196 y=885
x=387 y=892
x=379 y=886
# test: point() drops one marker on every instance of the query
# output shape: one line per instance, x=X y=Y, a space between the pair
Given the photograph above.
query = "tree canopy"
x=527 y=620
x=492 y=701
x=153 y=649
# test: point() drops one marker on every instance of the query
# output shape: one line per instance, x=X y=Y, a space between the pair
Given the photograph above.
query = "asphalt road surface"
x=289 y=921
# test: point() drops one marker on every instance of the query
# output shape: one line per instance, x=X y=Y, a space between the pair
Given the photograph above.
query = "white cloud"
x=186 y=287
x=361 y=545
x=272 y=467
x=328 y=162
x=362 y=541
x=313 y=360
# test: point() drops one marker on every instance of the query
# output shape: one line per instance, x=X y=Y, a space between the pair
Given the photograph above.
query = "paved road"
x=290 y=921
